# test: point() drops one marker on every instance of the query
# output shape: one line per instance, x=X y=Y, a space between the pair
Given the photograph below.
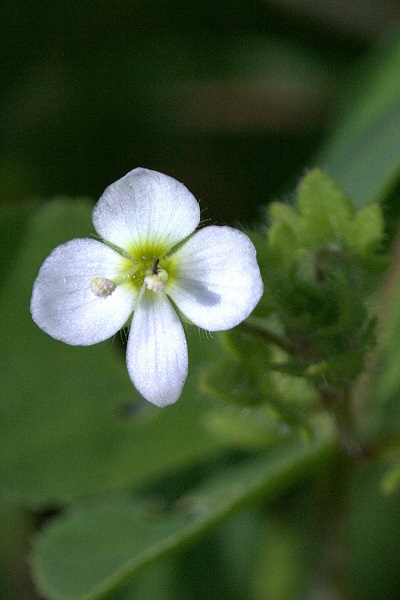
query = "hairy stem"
x=268 y=336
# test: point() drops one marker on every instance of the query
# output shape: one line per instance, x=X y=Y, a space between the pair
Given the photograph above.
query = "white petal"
x=219 y=281
x=156 y=354
x=63 y=303
x=146 y=206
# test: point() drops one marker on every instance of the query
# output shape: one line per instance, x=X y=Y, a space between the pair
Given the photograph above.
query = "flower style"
x=86 y=289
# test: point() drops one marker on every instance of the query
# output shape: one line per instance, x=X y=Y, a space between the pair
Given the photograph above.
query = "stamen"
x=155 y=281
x=154 y=270
x=102 y=287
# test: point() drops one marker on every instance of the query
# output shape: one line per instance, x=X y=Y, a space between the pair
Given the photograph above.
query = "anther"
x=102 y=287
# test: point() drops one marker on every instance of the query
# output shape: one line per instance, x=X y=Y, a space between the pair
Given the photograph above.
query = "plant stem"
x=331 y=514
x=338 y=402
x=269 y=336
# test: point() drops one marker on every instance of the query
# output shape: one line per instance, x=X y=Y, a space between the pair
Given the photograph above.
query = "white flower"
x=86 y=290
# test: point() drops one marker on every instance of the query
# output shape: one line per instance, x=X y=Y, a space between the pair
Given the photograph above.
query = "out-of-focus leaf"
x=372 y=535
x=13 y=227
x=381 y=396
x=64 y=411
x=363 y=154
x=159 y=581
x=232 y=381
x=15 y=524
x=238 y=542
x=84 y=554
x=280 y=569
x=391 y=479
x=250 y=428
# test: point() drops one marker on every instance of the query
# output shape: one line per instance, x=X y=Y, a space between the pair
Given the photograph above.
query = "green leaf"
x=64 y=423
x=281 y=569
x=246 y=345
x=319 y=195
x=391 y=480
x=278 y=211
x=232 y=381
x=372 y=535
x=365 y=233
x=15 y=525
x=380 y=395
x=283 y=244
x=325 y=209
x=83 y=555
x=363 y=154
x=13 y=227
x=250 y=428
x=158 y=582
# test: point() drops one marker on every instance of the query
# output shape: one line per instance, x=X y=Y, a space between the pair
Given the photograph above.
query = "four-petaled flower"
x=86 y=289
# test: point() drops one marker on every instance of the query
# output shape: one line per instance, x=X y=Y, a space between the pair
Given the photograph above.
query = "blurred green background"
x=232 y=98
x=235 y=99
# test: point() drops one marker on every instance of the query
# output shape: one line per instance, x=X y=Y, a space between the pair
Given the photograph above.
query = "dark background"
x=232 y=98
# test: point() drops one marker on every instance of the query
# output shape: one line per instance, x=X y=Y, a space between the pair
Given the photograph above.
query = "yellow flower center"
x=149 y=268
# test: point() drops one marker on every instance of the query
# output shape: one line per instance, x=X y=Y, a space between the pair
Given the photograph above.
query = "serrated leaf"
x=278 y=211
x=318 y=192
x=365 y=232
x=324 y=207
x=283 y=244
x=84 y=555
